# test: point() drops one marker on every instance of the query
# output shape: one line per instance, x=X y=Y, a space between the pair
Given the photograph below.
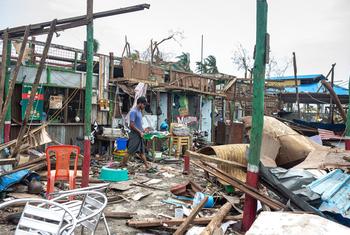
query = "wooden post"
x=34 y=88
x=296 y=83
x=7 y=127
x=336 y=99
x=183 y=227
x=65 y=112
x=250 y=203
x=112 y=95
x=88 y=94
x=347 y=130
x=215 y=224
x=331 y=106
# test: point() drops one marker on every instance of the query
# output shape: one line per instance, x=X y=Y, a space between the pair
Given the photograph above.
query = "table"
x=152 y=137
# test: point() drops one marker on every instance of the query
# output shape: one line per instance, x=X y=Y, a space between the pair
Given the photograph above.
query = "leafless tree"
x=243 y=60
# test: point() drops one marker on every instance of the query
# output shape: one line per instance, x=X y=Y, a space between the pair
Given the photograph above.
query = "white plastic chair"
x=88 y=210
x=38 y=217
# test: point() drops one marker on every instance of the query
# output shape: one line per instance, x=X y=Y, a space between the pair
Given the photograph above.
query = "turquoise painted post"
x=250 y=203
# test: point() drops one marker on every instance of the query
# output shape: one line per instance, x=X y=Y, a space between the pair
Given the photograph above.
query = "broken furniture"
x=153 y=137
x=88 y=209
x=109 y=139
x=38 y=217
x=178 y=141
x=75 y=205
x=63 y=154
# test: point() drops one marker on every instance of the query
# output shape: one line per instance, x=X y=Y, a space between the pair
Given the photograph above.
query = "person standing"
x=136 y=144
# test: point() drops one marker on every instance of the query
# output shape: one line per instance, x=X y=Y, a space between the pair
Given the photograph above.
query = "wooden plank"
x=215 y=223
x=214 y=159
x=183 y=227
x=34 y=88
x=174 y=222
x=7 y=161
x=119 y=215
x=276 y=205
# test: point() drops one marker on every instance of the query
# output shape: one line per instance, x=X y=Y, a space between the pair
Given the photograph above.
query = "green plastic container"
x=229 y=188
x=114 y=175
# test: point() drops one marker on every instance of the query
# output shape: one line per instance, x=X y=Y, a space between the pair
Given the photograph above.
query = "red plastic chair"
x=63 y=154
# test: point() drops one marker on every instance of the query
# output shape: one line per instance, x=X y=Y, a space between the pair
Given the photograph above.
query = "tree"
x=208 y=66
x=277 y=67
x=243 y=60
x=201 y=67
x=211 y=65
x=184 y=62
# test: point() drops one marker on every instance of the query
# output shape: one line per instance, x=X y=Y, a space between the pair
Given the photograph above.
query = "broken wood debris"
x=174 y=222
x=215 y=223
x=183 y=227
x=276 y=205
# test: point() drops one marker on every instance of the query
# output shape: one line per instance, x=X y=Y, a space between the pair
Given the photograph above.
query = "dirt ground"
x=150 y=206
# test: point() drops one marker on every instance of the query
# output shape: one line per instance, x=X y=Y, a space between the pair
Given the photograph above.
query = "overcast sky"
x=317 y=30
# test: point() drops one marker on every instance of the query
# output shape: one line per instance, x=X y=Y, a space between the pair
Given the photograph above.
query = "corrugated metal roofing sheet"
x=334 y=189
x=314 y=87
x=299 y=77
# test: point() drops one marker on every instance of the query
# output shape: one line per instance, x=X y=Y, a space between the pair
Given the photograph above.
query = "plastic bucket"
x=121 y=143
x=198 y=197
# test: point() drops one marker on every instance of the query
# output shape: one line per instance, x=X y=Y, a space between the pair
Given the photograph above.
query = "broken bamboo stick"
x=174 y=222
x=183 y=227
x=215 y=223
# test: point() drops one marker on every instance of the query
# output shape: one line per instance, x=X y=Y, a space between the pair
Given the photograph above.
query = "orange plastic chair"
x=63 y=154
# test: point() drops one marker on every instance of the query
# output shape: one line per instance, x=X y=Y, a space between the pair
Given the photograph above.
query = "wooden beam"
x=39 y=28
x=7 y=161
x=214 y=226
x=34 y=88
x=119 y=215
x=214 y=159
x=336 y=99
x=174 y=222
x=183 y=227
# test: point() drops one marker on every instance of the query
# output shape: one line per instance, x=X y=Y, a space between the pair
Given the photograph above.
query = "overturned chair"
x=38 y=217
x=86 y=201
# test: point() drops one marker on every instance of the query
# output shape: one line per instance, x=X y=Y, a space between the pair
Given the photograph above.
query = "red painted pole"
x=86 y=163
x=7 y=130
x=186 y=169
x=88 y=95
x=261 y=52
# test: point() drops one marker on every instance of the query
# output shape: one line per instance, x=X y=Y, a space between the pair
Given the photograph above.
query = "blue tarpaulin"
x=7 y=181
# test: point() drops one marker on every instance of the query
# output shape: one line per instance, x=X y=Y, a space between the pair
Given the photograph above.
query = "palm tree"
x=201 y=67
x=211 y=66
x=184 y=61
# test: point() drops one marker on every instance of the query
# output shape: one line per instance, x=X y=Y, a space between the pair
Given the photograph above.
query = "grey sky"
x=317 y=30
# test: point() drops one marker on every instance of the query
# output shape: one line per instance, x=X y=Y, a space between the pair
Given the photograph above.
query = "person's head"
x=141 y=102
